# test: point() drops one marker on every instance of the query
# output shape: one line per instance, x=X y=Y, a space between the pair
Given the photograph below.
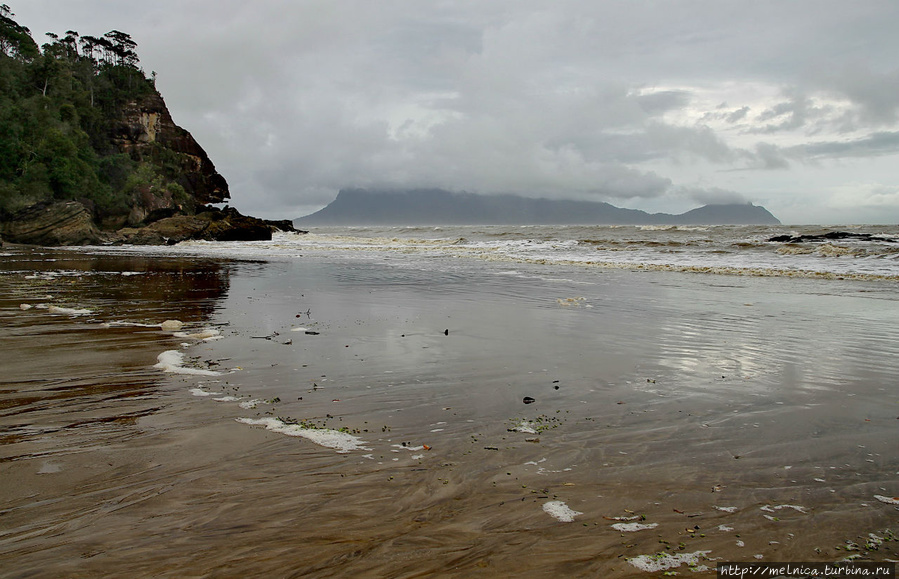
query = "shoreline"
x=654 y=416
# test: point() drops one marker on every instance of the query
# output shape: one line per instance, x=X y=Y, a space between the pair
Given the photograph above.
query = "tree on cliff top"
x=15 y=40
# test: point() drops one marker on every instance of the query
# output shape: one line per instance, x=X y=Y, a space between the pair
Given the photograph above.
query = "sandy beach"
x=337 y=417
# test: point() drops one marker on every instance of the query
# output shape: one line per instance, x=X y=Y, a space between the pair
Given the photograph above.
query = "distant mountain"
x=439 y=207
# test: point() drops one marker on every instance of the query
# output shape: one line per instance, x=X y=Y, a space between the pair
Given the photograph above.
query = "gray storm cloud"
x=634 y=102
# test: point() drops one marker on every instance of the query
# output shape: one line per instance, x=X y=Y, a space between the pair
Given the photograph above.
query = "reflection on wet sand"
x=80 y=333
x=663 y=434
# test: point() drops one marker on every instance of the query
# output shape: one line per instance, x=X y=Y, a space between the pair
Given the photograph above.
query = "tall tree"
x=122 y=46
x=15 y=40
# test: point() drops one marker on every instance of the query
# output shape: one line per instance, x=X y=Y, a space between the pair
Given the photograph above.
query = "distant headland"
x=439 y=207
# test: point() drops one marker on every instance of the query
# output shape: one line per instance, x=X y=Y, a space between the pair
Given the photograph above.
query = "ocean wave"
x=718 y=250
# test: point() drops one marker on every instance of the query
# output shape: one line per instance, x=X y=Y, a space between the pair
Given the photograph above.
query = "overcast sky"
x=655 y=105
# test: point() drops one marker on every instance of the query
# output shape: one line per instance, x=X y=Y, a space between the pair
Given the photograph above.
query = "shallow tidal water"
x=678 y=419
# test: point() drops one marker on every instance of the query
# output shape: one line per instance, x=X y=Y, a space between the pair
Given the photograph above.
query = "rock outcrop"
x=71 y=223
x=830 y=236
x=64 y=223
x=210 y=224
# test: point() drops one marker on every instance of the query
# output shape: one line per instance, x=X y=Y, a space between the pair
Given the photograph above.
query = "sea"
x=722 y=250
x=458 y=401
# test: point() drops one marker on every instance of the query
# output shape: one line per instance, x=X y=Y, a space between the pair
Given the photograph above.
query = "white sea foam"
x=665 y=561
x=341 y=441
x=69 y=311
x=249 y=404
x=206 y=335
x=408 y=447
x=173 y=361
x=633 y=527
x=200 y=392
x=525 y=426
x=50 y=468
x=171 y=325
x=726 y=509
x=887 y=500
x=127 y=324
x=560 y=511
x=771 y=509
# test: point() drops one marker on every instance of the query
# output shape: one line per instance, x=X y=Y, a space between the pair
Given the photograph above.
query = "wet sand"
x=738 y=419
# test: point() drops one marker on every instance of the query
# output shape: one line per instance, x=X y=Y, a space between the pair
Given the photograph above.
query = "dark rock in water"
x=528 y=400
x=64 y=223
x=283 y=225
x=230 y=225
x=830 y=236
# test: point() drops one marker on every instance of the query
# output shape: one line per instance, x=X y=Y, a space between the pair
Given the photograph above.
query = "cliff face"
x=147 y=132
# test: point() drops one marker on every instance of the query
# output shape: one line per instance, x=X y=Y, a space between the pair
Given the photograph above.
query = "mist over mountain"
x=439 y=207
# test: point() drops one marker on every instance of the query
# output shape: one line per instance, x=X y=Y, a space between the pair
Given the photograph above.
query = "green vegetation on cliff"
x=79 y=120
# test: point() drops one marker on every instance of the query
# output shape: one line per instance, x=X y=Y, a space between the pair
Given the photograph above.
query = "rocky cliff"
x=89 y=152
x=156 y=214
x=147 y=132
